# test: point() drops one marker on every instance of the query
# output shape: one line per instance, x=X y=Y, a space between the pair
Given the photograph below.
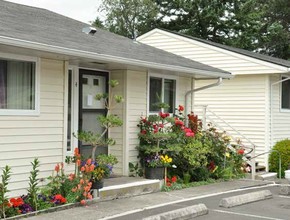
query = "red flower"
x=143 y=132
x=162 y=115
x=173 y=179
x=178 y=122
x=16 y=202
x=180 y=108
x=58 y=198
x=241 y=151
x=144 y=120
x=211 y=166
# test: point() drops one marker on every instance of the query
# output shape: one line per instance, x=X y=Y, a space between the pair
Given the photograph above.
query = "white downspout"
x=190 y=92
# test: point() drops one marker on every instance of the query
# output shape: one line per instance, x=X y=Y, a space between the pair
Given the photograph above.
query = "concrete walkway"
x=105 y=209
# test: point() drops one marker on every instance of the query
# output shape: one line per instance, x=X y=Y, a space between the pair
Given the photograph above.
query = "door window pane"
x=93 y=85
x=286 y=94
x=17 y=85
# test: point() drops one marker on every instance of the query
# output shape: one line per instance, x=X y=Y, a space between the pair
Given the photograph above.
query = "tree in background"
x=275 y=32
x=256 y=25
x=129 y=18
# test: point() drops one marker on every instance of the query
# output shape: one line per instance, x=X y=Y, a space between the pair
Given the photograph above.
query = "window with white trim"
x=17 y=85
x=285 y=94
x=161 y=90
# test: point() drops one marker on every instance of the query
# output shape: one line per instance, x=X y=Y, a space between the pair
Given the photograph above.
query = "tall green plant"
x=4 y=190
x=33 y=182
x=108 y=121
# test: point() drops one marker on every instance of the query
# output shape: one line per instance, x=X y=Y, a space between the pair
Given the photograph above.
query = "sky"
x=82 y=10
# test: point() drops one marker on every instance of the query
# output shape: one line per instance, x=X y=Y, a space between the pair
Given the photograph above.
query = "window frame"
x=25 y=112
x=163 y=77
x=281 y=93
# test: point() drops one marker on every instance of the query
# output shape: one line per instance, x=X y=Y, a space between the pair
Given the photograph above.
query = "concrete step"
x=260 y=168
x=266 y=176
x=119 y=189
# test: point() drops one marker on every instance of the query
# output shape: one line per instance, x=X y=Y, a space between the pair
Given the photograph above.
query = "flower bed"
x=62 y=191
x=198 y=154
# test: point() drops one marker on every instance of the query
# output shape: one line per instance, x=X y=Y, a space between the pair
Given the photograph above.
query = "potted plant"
x=97 y=177
x=107 y=121
x=160 y=136
x=155 y=166
x=107 y=162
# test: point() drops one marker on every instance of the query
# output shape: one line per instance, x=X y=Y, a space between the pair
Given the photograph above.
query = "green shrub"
x=284 y=148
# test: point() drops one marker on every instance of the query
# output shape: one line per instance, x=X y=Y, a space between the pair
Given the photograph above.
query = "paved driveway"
x=276 y=208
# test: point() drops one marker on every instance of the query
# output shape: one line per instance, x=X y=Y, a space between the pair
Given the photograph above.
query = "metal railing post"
x=253 y=160
x=204 y=117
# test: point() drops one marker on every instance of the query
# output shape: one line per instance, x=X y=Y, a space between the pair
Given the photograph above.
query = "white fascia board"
x=212 y=47
x=107 y=58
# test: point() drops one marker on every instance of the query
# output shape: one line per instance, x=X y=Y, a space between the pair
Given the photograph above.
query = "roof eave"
x=108 y=58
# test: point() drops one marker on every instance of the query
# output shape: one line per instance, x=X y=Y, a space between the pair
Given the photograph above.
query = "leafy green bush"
x=284 y=148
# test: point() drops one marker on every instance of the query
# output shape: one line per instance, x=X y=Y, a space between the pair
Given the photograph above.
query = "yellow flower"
x=227 y=154
x=165 y=159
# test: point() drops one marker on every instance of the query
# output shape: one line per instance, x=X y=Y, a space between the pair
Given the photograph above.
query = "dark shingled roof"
x=46 y=27
x=259 y=56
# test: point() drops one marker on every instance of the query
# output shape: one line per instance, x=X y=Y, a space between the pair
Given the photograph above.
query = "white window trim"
x=283 y=110
x=24 y=112
x=163 y=76
x=74 y=110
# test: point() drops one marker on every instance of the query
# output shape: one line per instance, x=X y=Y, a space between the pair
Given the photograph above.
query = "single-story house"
x=255 y=105
x=51 y=66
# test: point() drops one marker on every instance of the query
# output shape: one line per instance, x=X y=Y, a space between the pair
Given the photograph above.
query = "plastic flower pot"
x=98 y=184
x=154 y=173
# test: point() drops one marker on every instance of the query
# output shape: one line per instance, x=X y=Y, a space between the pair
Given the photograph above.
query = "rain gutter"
x=106 y=58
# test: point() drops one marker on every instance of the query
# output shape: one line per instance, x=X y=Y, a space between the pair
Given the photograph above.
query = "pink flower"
x=189 y=134
x=89 y=161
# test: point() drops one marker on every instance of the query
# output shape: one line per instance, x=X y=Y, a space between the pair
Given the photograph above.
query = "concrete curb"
x=245 y=198
x=183 y=213
x=285 y=190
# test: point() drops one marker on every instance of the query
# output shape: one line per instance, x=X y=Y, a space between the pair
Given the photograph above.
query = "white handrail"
x=206 y=117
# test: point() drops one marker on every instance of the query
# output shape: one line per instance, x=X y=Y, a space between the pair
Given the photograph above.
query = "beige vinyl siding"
x=137 y=100
x=184 y=85
x=281 y=117
x=118 y=133
x=206 y=54
x=23 y=138
x=241 y=102
x=136 y=107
